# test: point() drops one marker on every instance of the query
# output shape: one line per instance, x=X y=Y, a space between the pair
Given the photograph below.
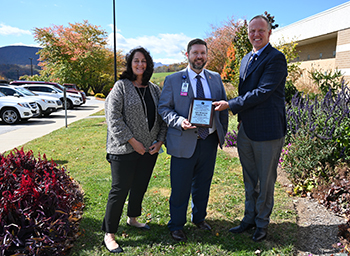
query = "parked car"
x=75 y=87
x=57 y=85
x=46 y=104
x=73 y=100
x=13 y=109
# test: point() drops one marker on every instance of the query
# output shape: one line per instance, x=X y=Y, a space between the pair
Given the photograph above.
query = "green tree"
x=77 y=54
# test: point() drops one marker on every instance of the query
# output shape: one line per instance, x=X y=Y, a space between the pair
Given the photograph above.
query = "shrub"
x=106 y=89
x=290 y=91
x=319 y=133
x=336 y=197
x=40 y=206
x=327 y=80
x=100 y=95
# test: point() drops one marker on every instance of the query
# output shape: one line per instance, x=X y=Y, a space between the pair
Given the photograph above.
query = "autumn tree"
x=228 y=71
x=77 y=54
x=218 y=41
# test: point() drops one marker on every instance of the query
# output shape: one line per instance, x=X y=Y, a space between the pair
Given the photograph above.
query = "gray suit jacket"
x=174 y=108
x=126 y=118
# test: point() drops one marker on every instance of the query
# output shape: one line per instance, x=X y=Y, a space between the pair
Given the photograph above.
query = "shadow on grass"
x=60 y=162
x=131 y=239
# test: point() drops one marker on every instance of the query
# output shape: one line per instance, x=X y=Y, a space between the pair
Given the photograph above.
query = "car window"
x=47 y=89
x=7 y=91
x=33 y=88
x=25 y=91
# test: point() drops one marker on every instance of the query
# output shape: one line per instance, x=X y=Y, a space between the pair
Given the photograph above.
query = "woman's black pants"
x=131 y=174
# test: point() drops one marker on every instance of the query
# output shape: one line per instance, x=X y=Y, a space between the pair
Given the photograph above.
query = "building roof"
x=324 y=24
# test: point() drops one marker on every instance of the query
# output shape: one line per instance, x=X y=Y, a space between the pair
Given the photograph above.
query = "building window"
x=334 y=52
x=308 y=56
x=321 y=55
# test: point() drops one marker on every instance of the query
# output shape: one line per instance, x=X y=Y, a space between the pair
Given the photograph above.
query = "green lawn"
x=81 y=148
x=158 y=78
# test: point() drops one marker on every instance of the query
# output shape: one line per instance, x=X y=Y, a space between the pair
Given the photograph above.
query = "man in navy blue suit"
x=262 y=125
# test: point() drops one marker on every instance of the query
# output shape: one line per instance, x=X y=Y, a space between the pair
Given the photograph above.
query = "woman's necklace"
x=143 y=100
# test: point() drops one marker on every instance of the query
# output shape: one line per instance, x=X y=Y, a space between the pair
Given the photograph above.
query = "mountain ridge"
x=19 y=55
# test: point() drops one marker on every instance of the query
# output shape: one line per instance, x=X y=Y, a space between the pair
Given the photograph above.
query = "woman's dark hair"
x=149 y=69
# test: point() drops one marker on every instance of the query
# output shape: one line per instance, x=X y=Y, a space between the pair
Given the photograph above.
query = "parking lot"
x=15 y=135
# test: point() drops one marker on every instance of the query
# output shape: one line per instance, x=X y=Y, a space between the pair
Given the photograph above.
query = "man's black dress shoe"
x=260 y=234
x=203 y=225
x=145 y=227
x=116 y=250
x=178 y=235
x=242 y=227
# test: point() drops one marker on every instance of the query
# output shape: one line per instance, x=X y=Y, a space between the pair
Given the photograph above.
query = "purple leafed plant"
x=231 y=139
x=40 y=206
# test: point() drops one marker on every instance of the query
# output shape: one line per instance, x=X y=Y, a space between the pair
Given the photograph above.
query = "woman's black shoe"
x=145 y=227
x=116 y=250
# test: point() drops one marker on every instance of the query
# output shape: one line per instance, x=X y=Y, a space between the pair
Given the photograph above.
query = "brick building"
x=323 y=40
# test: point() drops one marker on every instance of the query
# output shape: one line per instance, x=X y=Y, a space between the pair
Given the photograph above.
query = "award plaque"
x=201 y=112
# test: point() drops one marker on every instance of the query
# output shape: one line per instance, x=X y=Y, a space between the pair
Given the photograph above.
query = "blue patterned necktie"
x=202 y=131
x=250 y=63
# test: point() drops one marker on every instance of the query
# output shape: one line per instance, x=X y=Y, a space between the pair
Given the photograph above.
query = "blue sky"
x=164 y=27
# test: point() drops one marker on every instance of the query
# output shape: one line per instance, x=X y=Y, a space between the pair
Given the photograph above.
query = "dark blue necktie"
x=250 y=63
x=203 y=132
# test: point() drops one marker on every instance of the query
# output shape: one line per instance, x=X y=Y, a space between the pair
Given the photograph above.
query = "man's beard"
x=197 y=67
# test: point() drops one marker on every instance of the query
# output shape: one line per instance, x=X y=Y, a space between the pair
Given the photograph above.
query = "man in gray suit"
x=193 y=149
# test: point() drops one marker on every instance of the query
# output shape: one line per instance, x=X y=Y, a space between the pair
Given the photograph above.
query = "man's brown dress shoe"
x=178 y=235
x=203 y=225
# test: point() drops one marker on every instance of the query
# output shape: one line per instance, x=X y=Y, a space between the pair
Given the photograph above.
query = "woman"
x=135 y=134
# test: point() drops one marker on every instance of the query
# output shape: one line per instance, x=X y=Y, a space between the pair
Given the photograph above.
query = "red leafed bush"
x=336 y=197
x=40 y=206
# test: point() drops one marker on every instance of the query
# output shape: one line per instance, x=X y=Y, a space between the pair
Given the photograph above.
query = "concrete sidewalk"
x=38 y=127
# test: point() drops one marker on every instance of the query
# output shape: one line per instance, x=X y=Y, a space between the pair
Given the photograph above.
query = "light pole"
x=31 y=66
x=115 y=43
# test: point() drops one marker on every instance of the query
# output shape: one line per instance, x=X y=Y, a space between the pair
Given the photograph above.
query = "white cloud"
x=8 y=30
x=164 y=48
x=22 y=44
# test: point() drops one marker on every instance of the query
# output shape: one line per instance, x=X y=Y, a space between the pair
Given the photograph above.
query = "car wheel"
x=40 y=111
x=10 y=116
x=69 y=104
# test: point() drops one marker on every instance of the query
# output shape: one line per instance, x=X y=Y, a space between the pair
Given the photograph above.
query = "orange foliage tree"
x=218 y=41
x=228 y=71
x=77 y=54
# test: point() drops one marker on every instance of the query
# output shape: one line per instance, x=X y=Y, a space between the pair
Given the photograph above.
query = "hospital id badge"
x=184 y=88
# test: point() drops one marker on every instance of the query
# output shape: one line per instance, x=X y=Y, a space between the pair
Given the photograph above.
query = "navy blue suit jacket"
x=261 y=101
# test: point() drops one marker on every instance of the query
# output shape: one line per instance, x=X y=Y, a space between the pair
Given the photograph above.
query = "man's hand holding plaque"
x=201 y=112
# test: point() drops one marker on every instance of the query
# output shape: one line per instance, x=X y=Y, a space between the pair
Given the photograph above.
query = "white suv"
x=46 y=104
x=13 y=109
x=73 y=100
